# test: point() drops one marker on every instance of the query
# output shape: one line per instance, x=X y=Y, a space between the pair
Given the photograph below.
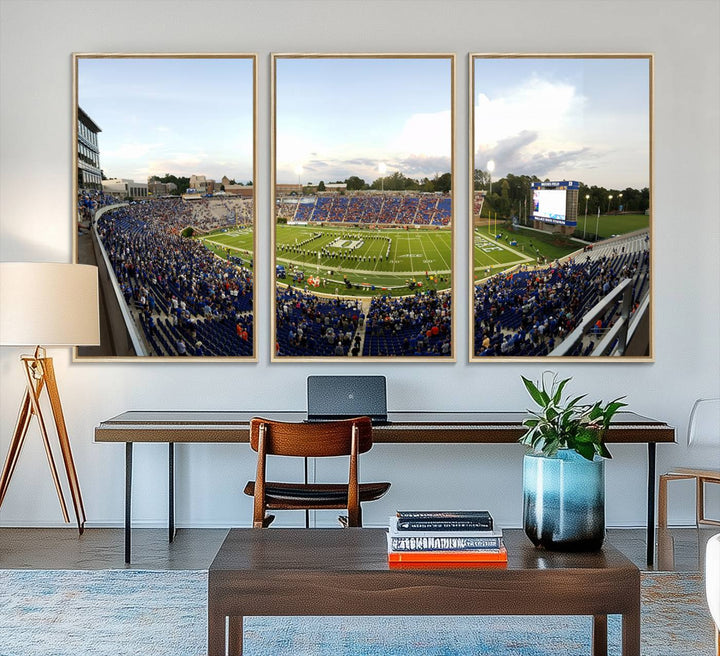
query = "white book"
x=394 y=532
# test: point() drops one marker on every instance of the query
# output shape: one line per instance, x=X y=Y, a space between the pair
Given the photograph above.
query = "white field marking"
x=337 y=269
x=228 y=246
x=501 y=247
x=507 y=248
x=488 y=255
x=501 y=268
x=444 y=261
x=394 y=257
x=425 y=255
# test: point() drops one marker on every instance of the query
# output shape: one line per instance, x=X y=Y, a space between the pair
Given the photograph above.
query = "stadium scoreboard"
x=555 y=205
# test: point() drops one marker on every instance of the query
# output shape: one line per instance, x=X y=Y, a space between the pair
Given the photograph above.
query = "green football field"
x=375 y=260
x=370 y=260
x=515 y=246
x=609 y=224
x=237 y=242
x=493 y=254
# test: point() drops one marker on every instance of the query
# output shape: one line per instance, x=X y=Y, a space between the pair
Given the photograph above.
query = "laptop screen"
x=341 y=397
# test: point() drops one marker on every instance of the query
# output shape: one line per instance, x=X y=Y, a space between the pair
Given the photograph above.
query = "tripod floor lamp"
x=46 y=304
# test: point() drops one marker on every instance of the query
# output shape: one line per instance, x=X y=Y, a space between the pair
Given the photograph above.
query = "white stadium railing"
x=618 y=331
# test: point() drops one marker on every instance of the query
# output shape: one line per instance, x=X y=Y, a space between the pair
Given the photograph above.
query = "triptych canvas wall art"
x=363 y=206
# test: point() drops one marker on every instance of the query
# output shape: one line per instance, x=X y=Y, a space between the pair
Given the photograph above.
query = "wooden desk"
x=173 y=427
x=276 y=572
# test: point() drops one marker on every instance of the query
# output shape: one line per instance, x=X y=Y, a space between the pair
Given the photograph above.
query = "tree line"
x=399 y=182
x=512 y=196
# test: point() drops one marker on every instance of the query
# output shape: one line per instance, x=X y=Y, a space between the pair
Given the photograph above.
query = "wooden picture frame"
x=158 y=142
x=374 y=136
x=560 y=230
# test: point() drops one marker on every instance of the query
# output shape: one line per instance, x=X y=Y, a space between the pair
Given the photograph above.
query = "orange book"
x=448 y=565
x=450 y=557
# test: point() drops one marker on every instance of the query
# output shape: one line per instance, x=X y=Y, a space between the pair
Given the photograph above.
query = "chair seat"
x=298 y=495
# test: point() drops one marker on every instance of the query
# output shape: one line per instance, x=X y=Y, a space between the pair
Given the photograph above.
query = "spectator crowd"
x=187 y=300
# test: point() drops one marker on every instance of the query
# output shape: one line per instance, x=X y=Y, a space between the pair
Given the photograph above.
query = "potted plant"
x=564 y=468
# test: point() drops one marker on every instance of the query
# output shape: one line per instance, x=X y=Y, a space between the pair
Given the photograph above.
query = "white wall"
x=37 y=39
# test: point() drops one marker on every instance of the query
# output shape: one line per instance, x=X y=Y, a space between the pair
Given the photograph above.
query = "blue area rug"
x=129 y=612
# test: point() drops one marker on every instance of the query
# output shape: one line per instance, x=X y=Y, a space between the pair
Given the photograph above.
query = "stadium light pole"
x=587 y=198
x=619 y=202
x=609 y=201
x=597 y=222
x=490 y=168
x=298 y=171
x=382 y=169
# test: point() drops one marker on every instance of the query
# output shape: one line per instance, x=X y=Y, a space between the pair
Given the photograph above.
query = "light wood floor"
x=680 y=549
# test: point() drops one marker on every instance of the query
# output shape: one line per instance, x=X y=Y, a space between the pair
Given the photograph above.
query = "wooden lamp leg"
x=39 y=374
x=64 y=440
x=15 y=444
x=34 y=387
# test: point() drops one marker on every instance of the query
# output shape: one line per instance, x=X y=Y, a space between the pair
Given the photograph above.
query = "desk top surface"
x=242 y=417
x=403 y=426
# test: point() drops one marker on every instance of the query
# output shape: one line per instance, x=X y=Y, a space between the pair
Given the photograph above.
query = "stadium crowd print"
x=561 y=207
x=363 y=207
x=164 y=179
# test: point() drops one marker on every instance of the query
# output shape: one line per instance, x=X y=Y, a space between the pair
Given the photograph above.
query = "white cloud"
x=551 y=110
x=425 y=137
x=428 y=135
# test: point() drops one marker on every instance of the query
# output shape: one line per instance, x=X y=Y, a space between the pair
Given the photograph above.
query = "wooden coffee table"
x=275 y=572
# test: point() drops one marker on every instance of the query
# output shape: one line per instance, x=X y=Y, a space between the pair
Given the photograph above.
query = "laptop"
x=330 y=398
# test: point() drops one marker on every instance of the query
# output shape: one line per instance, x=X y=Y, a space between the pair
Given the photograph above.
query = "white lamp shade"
x=48 y=304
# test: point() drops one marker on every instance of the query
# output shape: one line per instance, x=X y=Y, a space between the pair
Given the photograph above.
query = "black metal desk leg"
x=651 y=505
x=128 y=497
x=307 y=512
x=171 y=491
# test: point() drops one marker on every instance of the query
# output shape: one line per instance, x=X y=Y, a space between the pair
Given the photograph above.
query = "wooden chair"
x=349 y=437
x=704 y=430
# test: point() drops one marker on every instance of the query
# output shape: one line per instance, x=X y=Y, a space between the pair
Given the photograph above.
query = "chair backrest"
x=313 y=439
x=704 y=423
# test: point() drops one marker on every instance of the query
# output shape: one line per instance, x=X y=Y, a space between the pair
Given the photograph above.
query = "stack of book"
x=438 y=537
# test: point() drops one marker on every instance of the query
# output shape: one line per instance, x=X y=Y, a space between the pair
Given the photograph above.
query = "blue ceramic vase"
x=564 y=501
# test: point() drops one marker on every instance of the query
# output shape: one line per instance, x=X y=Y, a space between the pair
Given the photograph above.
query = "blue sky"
x=341 y=116
x=166 y=115
x=583 y=119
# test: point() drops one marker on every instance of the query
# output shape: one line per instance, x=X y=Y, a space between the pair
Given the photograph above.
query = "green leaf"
x=610 y=409
x=585 y=436
x=551 y=448
x=534 y=392
x=586 y=451
x=558 y=393
x=575 y=401
x=595 y=412
x=572 y=424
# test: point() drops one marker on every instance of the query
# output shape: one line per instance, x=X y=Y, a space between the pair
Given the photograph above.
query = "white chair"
x=712 y=584
x=703 y=431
